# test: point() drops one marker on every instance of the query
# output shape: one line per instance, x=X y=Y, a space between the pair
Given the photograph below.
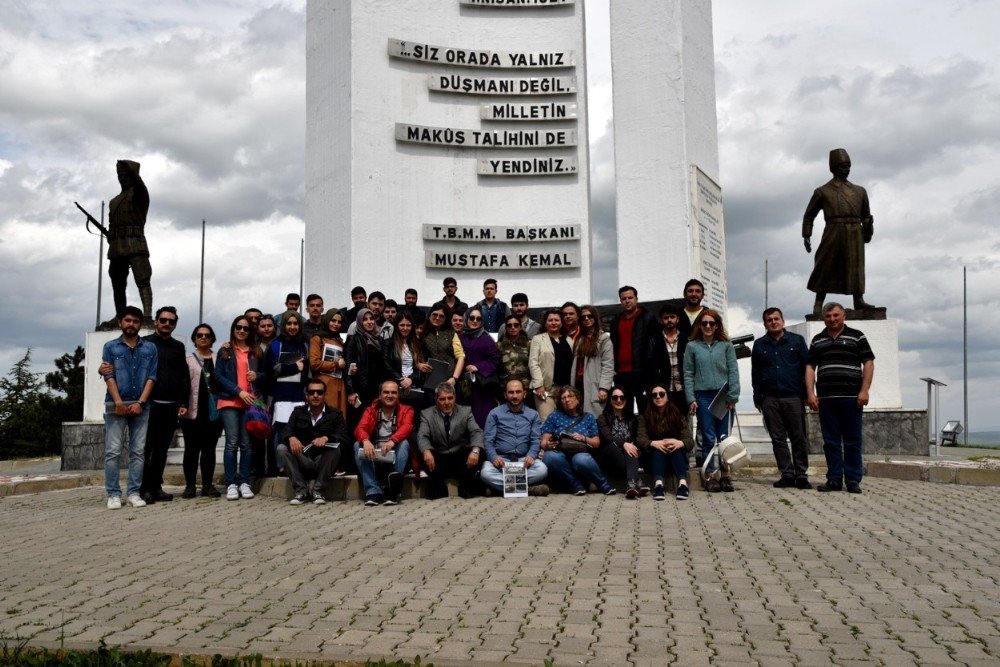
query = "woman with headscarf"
x=365 y=358
x=482 y=365
x=326 y=359
x=263 y=462
x=288 y=369
x=593 y=368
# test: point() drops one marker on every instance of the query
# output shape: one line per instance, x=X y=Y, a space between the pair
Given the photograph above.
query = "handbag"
x=569 y=445
x=258 y=420
x=732 y=452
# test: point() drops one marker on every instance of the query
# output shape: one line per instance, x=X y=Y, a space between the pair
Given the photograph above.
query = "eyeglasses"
x=658 y=394
x=474 y=318
x=241 y=327
x=167 y=320
x=514 y=325
x=617 y=397
x=315 y=392
x=709 y=323
x=203 y=335
x=586 y=317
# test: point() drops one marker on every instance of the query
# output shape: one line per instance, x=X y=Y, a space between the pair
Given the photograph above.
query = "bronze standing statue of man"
x=127 y=247
x=840 y=257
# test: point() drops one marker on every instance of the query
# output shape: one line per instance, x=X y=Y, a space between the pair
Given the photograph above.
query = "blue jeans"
x=114 y=439
x=712 y=429
x=237 y=440
x=370 y=469
x=840 y=421
x=576 y=472
x=677 y=461
x=492 y=476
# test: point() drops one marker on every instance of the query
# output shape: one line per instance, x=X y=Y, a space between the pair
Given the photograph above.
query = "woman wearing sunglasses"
x=618 y=428
x=593 y=368
x=201 y=425
x=440 y=342
x=482 y=365
x=709 y=365
x=235 y=374
x=663 y=433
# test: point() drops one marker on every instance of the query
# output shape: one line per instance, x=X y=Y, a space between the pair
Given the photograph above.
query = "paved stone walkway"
x=908 y=573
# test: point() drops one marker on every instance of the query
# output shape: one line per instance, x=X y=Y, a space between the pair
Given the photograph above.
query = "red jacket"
x=369 y=423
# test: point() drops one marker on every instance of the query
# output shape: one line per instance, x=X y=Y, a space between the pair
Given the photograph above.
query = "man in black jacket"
x=664 y=362
x=631 y=331
x=310 y=444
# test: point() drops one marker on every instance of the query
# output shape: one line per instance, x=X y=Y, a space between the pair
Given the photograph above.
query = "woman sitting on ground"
x=662 y=432
x=618 y=429
x=569 y=438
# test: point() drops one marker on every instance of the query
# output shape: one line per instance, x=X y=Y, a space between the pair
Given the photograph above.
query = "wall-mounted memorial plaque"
x=442 y=259
x=516 y=3
x=451 y=55
x=497 y=233
x=531 y=112
x=469 y=138
x=708 y=237
x=535 y=166
x=475 y=85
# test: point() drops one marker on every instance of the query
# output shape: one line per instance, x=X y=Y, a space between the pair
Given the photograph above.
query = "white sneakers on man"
x=232 y=493
x=245 y=491
x=114 y=502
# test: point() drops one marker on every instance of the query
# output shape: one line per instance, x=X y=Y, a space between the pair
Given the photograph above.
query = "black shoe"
x=210 y=492
x=853 y=487
x=163 y=497
x=391 y=500
x=803 y=483
x=682 y=492
x=189 y=492
x=785 y=483
x=395 y=485
x=828 y=486
x=299 y=499
x=658 y=492
x=726 y=485
x=148 y=497
x=373 y=500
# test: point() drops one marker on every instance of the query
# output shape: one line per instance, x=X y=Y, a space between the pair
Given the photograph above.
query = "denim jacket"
x=133 y=366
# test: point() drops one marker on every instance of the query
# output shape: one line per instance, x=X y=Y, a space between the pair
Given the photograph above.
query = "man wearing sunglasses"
x=310 y=444
x=168 y=402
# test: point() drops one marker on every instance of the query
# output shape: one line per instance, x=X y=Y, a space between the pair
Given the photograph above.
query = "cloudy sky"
x=210 y=97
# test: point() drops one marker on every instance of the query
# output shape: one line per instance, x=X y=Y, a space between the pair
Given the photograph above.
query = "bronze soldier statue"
x=840 y=257
x=127 y=247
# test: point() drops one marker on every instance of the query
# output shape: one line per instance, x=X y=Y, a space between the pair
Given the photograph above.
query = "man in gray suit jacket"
x=451 y=443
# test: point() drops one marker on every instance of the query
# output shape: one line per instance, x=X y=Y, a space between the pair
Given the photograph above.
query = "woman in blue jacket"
x=709 y=365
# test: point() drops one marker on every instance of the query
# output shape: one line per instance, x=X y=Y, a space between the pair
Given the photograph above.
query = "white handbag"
x=733 y=453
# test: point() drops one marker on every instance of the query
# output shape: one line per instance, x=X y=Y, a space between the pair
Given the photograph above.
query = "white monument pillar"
x=447 y=138
x=669 y=203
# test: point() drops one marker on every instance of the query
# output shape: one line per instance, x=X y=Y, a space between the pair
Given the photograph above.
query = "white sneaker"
x=245 y=491
x=135 y=500
x=232 y=493
x=114 y=502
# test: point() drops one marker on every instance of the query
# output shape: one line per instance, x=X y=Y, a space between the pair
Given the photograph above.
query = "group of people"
x=459 y=391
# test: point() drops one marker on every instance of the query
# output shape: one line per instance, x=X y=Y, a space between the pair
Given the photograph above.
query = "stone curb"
x=9 y=465
x=937 y=474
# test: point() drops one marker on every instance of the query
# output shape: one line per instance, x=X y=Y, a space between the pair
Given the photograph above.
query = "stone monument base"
x=884 y=432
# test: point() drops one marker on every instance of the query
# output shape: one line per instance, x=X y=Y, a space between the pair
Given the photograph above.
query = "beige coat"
x=598 y=373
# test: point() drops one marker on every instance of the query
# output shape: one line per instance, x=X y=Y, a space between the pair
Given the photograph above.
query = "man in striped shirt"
x=839 y=370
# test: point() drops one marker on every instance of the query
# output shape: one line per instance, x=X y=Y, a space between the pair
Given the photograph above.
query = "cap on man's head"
x=130 y=165
x=838 y=156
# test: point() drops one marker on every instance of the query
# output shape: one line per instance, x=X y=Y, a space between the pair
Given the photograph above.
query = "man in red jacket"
x=381 y=445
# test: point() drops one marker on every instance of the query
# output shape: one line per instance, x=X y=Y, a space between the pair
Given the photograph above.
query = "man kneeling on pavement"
x=451 y=444
x=310 y=444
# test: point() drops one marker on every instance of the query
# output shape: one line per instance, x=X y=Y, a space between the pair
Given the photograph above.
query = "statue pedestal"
x=883 y=336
